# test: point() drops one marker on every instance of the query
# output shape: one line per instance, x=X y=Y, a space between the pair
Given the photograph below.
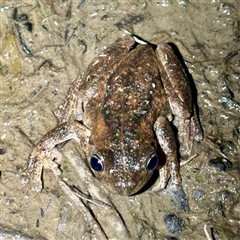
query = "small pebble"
x=221 y=164
x=173 y=223
x=197 y=194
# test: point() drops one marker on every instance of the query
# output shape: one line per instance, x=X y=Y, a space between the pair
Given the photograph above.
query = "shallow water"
x=44 y=46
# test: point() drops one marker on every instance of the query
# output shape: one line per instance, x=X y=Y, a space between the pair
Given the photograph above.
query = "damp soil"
x=44 y=45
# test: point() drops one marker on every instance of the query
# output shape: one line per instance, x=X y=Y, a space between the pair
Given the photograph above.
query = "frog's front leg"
x=72 y=103
x=167 y=142
x=45 y=153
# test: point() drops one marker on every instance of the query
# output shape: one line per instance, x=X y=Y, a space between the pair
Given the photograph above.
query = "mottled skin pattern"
x=123 y=105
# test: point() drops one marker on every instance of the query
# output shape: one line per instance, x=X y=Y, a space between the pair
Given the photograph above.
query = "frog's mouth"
x=130 y=185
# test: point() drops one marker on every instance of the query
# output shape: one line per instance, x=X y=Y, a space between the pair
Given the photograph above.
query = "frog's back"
x=129 y=101
x=134 y=91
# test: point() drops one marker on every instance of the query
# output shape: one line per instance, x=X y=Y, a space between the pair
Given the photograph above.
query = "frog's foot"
x=38 y=159
x=170 y=169
x=46 y=154
x=167 y=142
x=164 y=176
x=188 y=131
x=185 y=136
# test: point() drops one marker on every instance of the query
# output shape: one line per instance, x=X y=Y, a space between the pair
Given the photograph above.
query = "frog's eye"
x=96 y=163
x=152 y=162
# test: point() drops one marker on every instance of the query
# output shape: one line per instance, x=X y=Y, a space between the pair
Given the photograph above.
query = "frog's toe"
x=26 y=175
x=185 y=149
x=35 y=180
x=33 y=173
x=176 y=182
x=55 y=168
x=24 y=178
x=37 y=186
x=164 y=175
x=175 y=186
x=176 y=176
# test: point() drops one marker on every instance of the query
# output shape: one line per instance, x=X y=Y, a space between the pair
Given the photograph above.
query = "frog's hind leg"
x=167 y=142
x=179 y=95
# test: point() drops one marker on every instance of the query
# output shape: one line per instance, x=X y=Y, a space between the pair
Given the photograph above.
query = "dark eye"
x=96 y=163
x=152 y=162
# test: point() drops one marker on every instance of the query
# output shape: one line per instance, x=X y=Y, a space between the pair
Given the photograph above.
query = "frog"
x=120 y=111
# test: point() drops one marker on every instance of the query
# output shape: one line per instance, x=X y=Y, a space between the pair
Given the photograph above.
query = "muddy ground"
x=44 y=45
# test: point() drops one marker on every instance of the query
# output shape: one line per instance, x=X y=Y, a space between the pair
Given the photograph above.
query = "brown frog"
x=123 y=106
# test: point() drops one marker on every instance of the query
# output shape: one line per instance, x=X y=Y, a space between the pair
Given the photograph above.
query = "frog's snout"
x=128 y=185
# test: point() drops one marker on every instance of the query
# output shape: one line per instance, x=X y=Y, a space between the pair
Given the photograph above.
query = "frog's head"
x=124 y=171
x=123 y=148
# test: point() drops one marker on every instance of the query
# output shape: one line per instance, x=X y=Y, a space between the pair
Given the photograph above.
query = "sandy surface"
x=43 y=47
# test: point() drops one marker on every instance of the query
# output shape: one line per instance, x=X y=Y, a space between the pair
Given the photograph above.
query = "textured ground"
x=43 y=47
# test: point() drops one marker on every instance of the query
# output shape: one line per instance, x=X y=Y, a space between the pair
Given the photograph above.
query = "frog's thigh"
x=175 y=81
x=167 y=142
x=45 y=151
